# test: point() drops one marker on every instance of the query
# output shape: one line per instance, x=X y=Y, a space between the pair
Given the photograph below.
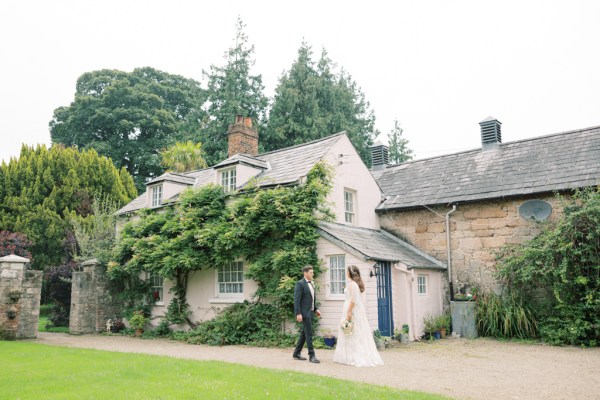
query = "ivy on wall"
x=273 y=230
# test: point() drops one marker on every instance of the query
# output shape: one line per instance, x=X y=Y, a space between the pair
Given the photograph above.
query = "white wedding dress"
x=357 y=349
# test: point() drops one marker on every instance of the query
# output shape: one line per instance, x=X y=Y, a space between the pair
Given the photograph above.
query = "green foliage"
x=130 y=116
x=96 y=234
x=558 y=273
x=398 y=146
x=274 y=230
x=138 y=320
x=183 y=157
x=312 y=101
x=505 y=316
x=243 y=323
x=231 y=90
x=45 y=188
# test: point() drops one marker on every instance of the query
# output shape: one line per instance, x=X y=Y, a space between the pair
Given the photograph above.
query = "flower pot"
x=404 y=338
x=380 y=343
x=138 y=332
x=329 y=341
x=443 y=333
x=437 y=335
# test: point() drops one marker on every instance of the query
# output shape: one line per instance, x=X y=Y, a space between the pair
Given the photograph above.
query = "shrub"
x=504 y=317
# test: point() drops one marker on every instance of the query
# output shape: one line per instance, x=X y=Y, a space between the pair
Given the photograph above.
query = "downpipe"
x=448 y=246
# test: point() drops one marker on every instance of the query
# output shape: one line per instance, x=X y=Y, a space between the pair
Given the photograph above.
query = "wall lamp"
x=374 y=270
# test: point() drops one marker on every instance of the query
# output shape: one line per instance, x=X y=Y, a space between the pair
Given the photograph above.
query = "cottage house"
x=461 y=208
x=402 y=282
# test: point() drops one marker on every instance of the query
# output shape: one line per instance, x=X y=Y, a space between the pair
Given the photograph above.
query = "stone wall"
x=91 y=301
x=20 y=293
x=477 y=232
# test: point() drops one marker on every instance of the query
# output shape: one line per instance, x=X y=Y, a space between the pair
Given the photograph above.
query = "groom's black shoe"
x=313 y=359
x=299 y=357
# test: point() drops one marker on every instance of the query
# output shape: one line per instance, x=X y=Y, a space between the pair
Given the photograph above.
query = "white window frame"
x=157 y=194
x=224 y=277
x=228 y=179
x=350 y=206
x=337 y=276
x=422 y=285
x=157 y=284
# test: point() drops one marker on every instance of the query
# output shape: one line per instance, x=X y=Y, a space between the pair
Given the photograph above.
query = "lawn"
x=35 y=371
x=43 y=325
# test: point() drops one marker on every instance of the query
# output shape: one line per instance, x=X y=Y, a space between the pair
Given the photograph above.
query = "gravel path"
x=458 y=368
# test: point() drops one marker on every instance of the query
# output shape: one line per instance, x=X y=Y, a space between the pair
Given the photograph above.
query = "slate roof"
x=280 y=167
x=173 y=177
x=549 y=163
x=377 y=245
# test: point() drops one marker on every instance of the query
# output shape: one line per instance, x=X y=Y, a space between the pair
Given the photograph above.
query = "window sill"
x=226 y=300
x=159 y=304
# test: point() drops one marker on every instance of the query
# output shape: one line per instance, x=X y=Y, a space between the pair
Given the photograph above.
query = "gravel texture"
x=457 y=368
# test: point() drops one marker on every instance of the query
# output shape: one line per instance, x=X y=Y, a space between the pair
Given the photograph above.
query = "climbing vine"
x=273 y=230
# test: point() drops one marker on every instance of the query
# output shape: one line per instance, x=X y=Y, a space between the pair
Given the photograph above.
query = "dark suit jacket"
x=303 y=300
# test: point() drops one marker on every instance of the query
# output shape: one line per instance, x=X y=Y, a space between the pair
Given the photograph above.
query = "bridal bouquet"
x=347 y=327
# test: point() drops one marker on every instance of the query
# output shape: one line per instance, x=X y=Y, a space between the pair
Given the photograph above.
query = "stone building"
x=462 y=208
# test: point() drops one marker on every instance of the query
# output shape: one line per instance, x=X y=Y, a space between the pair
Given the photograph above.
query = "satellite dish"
x=538 y=210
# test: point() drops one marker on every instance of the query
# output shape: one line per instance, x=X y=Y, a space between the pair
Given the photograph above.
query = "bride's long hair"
x=354 y=273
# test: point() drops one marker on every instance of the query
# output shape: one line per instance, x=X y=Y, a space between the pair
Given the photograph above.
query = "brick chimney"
x=242 y=138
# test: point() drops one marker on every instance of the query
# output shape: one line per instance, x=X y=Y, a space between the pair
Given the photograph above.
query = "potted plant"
x=430 y=326
x=379 y=340
x=329 y=338
x=443 y=324
x=404 y=334
x=138 y=321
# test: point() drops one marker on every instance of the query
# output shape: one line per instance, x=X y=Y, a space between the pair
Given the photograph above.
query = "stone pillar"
x=91 y=301
x=20 y=294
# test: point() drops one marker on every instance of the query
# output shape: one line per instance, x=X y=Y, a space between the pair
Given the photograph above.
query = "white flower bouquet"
x=347 y=327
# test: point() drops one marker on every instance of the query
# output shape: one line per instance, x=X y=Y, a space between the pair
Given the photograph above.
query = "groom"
x=304 y=308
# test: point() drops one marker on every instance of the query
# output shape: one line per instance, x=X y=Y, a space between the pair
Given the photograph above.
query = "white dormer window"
x=228 y=180
x=157 y=195
x=349 y=206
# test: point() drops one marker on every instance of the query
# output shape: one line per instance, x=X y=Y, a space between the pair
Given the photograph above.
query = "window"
x=156 y=287
x=230 y=279
x=337 y=274
x=228 y=180
x=156 y=196
x=422 y=284
x=349 y=214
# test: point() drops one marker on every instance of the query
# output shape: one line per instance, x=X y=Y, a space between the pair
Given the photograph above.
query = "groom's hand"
x=299 y=317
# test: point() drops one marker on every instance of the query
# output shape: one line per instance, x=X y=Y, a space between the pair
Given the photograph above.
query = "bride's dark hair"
x=354 y=273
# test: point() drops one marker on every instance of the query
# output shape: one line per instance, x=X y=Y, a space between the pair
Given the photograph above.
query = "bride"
x=355 y=345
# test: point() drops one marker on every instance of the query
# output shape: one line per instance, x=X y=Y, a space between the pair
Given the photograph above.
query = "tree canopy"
x=43 y=189
x=398 y=146
x=313 y=101
x=231 y=90
x=183 y=157
x=130 y=116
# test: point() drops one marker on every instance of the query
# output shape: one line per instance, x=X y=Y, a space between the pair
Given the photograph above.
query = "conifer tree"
x=398 y=146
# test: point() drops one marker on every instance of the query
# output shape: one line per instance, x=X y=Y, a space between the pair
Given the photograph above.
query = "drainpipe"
x=449 y=250
x=413 y=311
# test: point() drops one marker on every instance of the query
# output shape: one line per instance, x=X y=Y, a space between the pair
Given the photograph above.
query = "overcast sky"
x=439 y=67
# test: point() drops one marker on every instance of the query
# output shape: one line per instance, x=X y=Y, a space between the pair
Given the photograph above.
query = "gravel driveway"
x=458 y=368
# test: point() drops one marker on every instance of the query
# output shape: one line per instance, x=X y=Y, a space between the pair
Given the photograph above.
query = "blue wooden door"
x=384 y=298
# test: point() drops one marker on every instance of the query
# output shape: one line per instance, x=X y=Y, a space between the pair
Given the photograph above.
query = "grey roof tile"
x=370 y=244
x=555 y=162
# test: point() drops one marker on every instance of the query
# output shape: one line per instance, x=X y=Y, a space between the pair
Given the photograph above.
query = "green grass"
x=45 y=310
x=35 y=371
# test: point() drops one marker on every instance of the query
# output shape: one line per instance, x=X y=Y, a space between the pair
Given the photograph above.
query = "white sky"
x=439 y=66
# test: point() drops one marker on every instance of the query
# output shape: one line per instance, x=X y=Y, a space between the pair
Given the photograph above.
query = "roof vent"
x=379 y=155
x=491 y=136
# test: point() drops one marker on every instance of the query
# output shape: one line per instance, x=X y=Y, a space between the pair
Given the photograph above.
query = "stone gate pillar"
x=91 y=301
x=20 y=294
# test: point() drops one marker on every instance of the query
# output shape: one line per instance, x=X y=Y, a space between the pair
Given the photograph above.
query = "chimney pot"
x=248 y=122
x=239 y=119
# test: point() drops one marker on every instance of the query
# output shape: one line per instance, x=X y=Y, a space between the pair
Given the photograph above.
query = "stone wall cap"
x=11 y=258
x=93 y=261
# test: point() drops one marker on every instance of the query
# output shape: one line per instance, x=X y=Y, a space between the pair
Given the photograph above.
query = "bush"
x=504 y=317
x=556 y=273
x=244 y=323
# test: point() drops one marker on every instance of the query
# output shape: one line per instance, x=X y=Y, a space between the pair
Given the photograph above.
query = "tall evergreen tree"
x=231 y=90
x=312 y=101
x=398 y=146
x=129 y=117
x=43 y=189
